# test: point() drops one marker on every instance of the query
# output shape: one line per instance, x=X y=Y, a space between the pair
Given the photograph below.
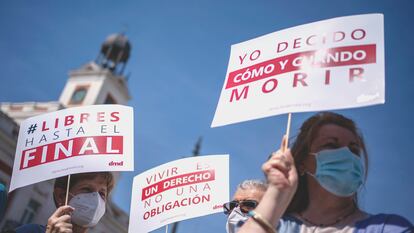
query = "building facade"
x=98 y=82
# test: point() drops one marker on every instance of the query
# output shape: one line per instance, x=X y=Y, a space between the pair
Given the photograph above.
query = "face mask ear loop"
x=308 y=173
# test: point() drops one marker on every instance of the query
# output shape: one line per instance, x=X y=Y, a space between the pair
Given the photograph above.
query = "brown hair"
x=301 y=149
x=62 y=182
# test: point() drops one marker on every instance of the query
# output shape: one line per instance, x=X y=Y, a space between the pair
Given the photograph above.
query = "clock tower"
x=101 y=81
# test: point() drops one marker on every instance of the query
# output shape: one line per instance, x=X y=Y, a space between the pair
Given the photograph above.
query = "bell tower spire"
x=114 y=53
x=101 y=81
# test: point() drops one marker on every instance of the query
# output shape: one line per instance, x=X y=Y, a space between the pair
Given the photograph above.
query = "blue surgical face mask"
x=339 y=171
x=235 y=220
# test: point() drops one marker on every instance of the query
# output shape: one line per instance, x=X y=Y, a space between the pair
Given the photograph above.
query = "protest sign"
x=179 y=190
x=75 y=140
x=330 y=64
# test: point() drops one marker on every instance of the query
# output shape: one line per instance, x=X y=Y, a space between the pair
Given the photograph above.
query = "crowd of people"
x=311 y=187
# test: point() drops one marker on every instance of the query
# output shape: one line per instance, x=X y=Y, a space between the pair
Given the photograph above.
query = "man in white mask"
x=86 y=204
x=248 y=194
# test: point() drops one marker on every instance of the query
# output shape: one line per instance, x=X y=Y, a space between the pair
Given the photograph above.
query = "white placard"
x=74 y=140
x=331 y=64
x=179 y=190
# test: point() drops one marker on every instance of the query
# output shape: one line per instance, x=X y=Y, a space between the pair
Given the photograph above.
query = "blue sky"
x=180 y=51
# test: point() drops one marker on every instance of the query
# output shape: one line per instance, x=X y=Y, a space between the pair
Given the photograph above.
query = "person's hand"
x=282 y=181
x=280 y=170
x=60 y=221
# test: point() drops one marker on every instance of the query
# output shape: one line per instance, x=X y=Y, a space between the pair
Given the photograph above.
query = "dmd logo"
x=114 y=164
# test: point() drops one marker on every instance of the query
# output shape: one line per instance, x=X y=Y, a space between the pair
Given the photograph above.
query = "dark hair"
x=301 y=149
x=62 y=182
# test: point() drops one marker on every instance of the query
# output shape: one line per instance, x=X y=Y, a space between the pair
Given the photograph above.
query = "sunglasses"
x=245 y=206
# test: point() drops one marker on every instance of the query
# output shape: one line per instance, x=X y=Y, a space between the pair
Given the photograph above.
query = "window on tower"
x=79 y=95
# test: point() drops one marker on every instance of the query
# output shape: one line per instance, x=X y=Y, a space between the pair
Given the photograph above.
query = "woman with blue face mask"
x=86 y=204
x=313 y=187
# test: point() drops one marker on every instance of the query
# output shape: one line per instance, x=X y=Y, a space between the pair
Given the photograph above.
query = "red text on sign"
x=340 y=56
x=171 y=205
x=178 y=181
x=80 y=119
x=315 y=40
x=95 y=145
x=299 y=80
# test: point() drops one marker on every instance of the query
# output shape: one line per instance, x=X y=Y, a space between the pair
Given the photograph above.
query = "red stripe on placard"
x=339 y=56
x=177 y=181
x=93 y=145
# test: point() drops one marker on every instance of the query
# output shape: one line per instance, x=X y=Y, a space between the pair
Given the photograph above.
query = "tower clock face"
x=78 y=96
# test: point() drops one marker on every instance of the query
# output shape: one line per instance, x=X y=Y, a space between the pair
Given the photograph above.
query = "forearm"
x=272 y=206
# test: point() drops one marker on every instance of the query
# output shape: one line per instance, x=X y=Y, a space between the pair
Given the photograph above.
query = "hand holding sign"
x=280 y=169
x=60 y=221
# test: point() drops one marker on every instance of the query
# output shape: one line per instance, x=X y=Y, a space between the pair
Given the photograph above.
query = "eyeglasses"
x=245 y=206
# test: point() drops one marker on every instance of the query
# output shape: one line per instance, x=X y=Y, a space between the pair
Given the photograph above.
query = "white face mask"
x=89 y=209
x=235 y=220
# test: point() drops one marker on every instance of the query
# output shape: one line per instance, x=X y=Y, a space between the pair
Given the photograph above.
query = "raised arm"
x=282 y=177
